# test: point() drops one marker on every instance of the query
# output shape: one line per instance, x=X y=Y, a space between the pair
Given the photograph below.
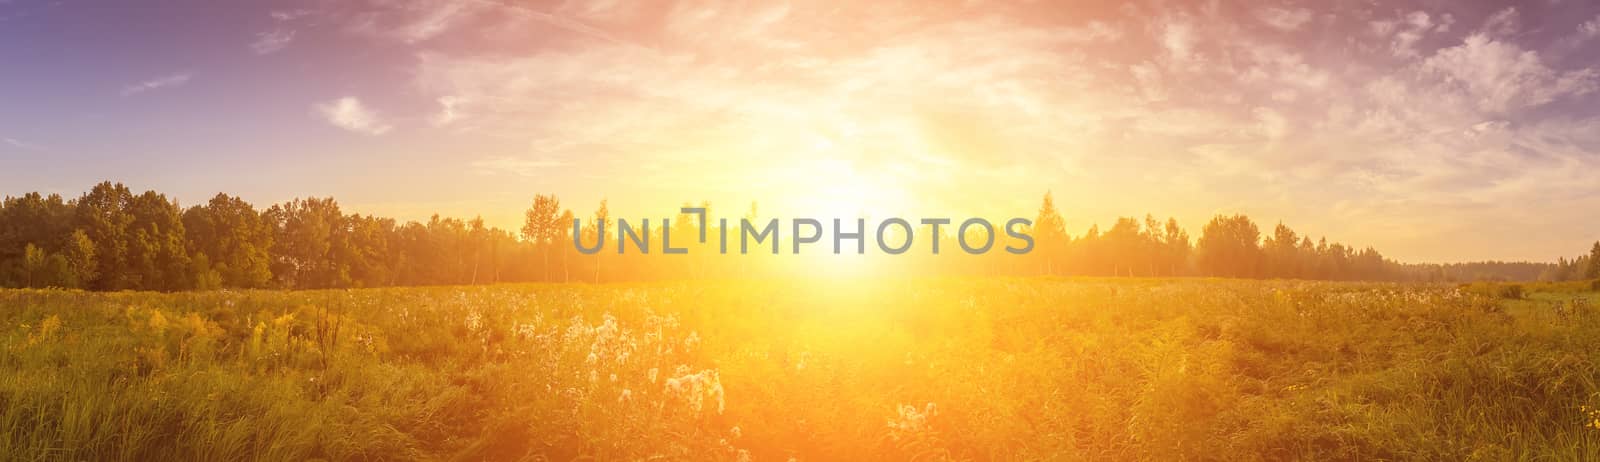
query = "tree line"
x=112 y=239
x=1578 y=268
x=1229 y=246
x=1234 y=246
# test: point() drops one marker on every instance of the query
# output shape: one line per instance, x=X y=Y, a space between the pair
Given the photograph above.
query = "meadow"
x=881 y=369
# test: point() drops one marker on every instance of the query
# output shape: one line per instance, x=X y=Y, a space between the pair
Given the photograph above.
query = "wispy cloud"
x=288 y=15
x=517 y=165
x=1284 y=19
x=1502 y=77
x=348 y=113
x=272 y=41
x=1275 y=107
x=23 y=145
x=1502 y=23
x=174 y=80
x=1590 y=29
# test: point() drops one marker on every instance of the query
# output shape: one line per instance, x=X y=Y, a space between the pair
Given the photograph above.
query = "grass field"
x=943 y=369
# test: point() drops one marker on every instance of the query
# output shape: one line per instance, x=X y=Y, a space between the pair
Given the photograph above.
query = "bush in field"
x=1505 y=290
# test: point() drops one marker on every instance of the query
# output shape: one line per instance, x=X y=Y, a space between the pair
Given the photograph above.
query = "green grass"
x=958 y=369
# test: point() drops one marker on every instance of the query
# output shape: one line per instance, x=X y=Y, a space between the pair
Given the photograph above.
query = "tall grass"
x=942 y=369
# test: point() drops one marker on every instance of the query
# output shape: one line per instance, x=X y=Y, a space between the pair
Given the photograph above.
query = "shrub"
x=1503 y=290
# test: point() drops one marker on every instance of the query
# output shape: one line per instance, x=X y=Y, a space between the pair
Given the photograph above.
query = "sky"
x=1435 y=131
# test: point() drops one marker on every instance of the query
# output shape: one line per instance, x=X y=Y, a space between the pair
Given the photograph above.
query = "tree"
x=602 y=223
x=32 y=219
x=79 y=252
x=1124 y=245
x=1310 y=265
x=1282 y=251
x=157 y=248
x=1594 y=262
x=565 y=236
x=204 y=275
x=102 y=213
x=479 y=237
x=1230 y=247
x=361 y=249
x=33 y=266
x=541 y=227
x=1176 y=245
x=1050 y=234
x=1090 y=251
x=302 y=232
x=234 y=238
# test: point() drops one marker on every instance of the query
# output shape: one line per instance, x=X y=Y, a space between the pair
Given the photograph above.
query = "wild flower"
x=526 y=331
x=256 y=335
x=690 y=342
x=47 y=330
x=911 y=421
x=697 y=389
x=158 y=322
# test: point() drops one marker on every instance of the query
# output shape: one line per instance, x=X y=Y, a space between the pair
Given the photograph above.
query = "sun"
x=838 y=189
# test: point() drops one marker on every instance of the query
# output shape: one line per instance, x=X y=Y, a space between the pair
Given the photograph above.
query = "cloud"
x=447 y=111
x=288 y=15
x=1383 y=115
x=23 y=145
x=272 y=41
x=1590 y=29
x=418 y=21
x=1150 y=83
x=348 y=113
x=1419 y=20
x=1501 y=77
x=517 y=166
x=1405 y=31
x=1502 y=23
x=1284 y=19
x=1178 y=38
x=1270 y=123
x=174 y=80
x=435 y=22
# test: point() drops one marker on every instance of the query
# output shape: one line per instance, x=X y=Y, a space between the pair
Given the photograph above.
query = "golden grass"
x=927 y=369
